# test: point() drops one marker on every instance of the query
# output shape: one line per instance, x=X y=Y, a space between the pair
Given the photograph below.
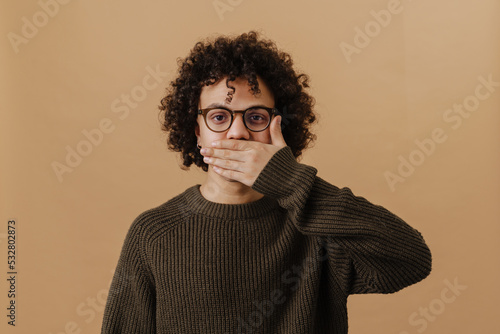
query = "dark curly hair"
x=244 y=56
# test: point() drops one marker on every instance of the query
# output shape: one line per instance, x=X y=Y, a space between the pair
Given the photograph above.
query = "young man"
x=264 y=245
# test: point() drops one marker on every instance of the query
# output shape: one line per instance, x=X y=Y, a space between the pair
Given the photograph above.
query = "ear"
x=197 y=130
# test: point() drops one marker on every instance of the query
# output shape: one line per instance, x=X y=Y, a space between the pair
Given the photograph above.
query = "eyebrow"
x=222 y=105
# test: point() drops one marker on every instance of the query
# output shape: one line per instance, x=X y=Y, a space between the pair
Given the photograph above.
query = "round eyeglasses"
x=219 y=119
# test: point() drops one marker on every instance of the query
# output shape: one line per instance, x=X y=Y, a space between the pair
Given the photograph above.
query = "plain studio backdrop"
x=408 y=96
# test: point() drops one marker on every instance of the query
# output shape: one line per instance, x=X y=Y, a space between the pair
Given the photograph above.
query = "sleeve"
x=384 y=253
x=131 y=302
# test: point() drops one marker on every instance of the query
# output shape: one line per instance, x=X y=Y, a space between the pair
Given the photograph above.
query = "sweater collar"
x=196 y=203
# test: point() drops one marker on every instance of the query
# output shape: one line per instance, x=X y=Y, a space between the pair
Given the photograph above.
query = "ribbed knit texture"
x=285 y=263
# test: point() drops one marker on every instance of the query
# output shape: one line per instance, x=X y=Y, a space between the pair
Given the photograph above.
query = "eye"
x=257 y=115
x=218 y=116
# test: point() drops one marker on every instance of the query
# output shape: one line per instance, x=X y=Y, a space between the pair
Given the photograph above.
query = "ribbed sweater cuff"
x=283 y=176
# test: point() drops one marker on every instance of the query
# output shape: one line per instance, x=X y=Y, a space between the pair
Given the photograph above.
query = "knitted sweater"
x=285 y=263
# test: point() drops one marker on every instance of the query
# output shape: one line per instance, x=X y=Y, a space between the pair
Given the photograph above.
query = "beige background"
x=373 y=106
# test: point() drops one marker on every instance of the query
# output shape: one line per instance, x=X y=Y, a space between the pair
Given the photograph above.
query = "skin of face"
x=216 y=187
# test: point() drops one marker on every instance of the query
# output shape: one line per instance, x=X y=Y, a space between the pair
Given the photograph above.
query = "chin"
x=228 y=179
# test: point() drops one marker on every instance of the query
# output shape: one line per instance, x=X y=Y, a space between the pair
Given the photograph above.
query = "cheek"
x=265 y=137
x=208 y=136
x=268 y=133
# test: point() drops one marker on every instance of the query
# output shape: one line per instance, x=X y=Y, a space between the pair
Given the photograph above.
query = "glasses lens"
x=218 y=119
x=257 y=119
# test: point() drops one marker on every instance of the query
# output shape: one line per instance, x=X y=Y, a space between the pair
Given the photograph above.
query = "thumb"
x=277 y=138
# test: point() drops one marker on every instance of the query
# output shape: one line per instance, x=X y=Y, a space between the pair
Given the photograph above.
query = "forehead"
x=242 y=96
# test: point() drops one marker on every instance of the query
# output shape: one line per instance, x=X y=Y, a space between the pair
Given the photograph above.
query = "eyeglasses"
x=256 y=119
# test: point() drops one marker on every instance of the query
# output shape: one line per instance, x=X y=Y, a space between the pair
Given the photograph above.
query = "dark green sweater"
x=285 y=263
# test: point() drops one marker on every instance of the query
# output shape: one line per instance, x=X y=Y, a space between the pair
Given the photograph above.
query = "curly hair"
x=244 y=56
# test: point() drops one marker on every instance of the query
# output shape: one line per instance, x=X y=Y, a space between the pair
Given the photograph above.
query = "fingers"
x=224 y=163
x=231 y=144
x=221 y=153
x=228 y=173
x=241 y=163
x=277 y=138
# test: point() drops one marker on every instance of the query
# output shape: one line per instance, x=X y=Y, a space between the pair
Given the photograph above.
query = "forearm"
x=387 y=253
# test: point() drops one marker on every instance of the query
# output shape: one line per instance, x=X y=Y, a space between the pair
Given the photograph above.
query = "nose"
x=238 y=129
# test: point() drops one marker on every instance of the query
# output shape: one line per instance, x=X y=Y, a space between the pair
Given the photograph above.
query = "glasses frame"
x=272 y=112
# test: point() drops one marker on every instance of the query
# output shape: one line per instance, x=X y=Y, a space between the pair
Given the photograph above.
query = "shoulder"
x=161 y=218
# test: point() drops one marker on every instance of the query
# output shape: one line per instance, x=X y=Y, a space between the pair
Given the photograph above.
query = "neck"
x=220 y=189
